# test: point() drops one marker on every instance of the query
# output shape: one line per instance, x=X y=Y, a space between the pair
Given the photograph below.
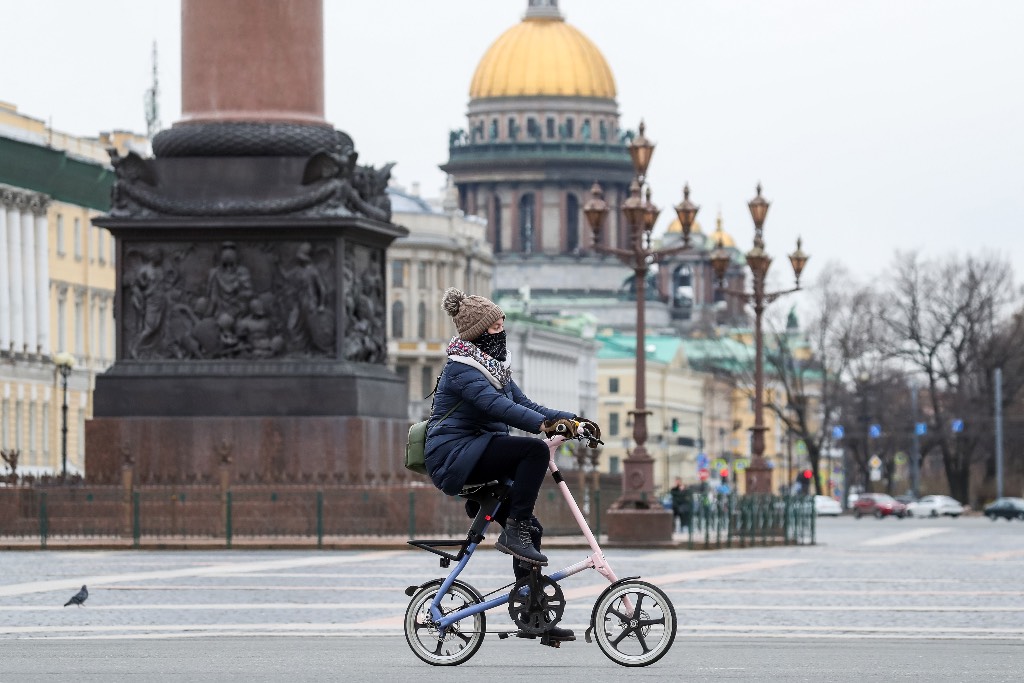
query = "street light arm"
x=624 y=254
x=671 y=251
x=772 y=296
x=738 y=293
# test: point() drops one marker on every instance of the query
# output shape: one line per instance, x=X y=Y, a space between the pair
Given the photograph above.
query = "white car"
x=825 y=506
x=935 y=506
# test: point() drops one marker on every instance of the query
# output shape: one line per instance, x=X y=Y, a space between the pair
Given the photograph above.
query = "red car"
x=878 y=504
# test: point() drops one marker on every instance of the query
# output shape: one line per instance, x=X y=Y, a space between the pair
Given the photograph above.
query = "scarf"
x=492 y=344
x=499 y=371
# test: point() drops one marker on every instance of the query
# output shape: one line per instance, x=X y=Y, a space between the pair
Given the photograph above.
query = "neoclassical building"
x=555 y=366
x=542 y=127
x=56 y=284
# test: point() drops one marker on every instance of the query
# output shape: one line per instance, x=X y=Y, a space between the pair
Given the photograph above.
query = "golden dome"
x=543 y=55
x=720 y=235
x=677 y=227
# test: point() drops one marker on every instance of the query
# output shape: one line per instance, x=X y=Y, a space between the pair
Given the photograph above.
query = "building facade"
x=57 y=285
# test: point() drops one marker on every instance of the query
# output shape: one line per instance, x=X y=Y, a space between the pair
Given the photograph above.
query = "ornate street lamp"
x=640 y=215
x=65 y=363
x=758 y=472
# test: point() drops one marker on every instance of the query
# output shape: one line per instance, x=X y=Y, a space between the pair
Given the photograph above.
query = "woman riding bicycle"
x=472 y=444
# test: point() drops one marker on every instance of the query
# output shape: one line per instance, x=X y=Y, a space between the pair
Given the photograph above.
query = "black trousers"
x=522 y=459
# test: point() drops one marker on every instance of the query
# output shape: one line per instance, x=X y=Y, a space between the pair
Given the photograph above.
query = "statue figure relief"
x=310 y=324
x=149 y=302
x=229 y=285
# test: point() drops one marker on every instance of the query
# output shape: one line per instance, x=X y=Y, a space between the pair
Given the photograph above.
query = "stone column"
x=28 y=264
x=269 y=63
x=14 y=257
x=42 y=282
x=5 y=284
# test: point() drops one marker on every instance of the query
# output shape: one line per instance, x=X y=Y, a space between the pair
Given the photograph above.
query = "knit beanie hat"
x=472 y=314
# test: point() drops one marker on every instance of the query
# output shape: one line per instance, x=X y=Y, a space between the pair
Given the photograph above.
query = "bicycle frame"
x=594 y=561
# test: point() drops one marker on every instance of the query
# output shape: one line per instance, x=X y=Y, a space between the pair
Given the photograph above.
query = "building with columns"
x=57 y=288
x=556 y=365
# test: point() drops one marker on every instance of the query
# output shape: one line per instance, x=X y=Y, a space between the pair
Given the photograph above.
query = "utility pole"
x=152 y=103
x=915 y=452
x=999 y=432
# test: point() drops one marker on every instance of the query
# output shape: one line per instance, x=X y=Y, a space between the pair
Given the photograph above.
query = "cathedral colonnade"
x=24 y=292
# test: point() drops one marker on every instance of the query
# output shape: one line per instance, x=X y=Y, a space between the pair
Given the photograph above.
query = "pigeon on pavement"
x=78 y=598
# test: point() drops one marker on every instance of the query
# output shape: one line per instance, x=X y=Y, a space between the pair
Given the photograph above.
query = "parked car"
x=935 y=506
x=825 y=506
x=1007 y=508
x=878 y=504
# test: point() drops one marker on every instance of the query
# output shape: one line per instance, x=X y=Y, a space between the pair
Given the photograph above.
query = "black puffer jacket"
x=455 y=444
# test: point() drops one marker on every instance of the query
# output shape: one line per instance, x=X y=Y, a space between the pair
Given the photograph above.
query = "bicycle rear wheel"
x=460 y=641
x=636 y=638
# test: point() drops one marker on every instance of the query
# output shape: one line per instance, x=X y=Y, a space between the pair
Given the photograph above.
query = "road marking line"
x=906 y=536
x=227 y=568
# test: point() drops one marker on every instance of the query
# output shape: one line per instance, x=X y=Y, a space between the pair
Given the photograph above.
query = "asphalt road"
x=934 y=600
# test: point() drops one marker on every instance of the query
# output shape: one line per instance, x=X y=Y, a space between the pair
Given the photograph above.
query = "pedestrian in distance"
x=680 y=505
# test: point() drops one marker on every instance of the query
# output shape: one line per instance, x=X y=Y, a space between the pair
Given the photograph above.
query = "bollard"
x=319 y=519
x=227 y=518
x=136 y=519
x=44 y=520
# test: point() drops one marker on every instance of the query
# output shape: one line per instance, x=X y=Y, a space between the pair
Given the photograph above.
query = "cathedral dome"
x=542 y=56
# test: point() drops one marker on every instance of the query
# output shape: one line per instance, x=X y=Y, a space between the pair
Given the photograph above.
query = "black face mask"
x=492 y=344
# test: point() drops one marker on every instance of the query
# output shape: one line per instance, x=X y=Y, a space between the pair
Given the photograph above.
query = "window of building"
x=422 y=274
x=62 y=328
x=398 y=273
x=78 y=239
x=572 y=224
x=46 y=428
x=526 y=227
x=60 y=235
x=570 y=128
x=5 y=419
x=79 y=327
x=81 y=437
x=101 y=341
x=427 y=379
x=551 y=126
x=613 y=385
x=403 y=373
x=613 y=424
x=397 y=319
x=496 y=213
x=613 y=464
x=113 y=250
x=94 y=240
x=513 y=128
x=421 y=321
x=32 y=444
x=101 y=245
x=19 y=428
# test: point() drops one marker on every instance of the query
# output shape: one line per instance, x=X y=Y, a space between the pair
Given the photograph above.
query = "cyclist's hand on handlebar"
x=560 y=427
x=590 y=429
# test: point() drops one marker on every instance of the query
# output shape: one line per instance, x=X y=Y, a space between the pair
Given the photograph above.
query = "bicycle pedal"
x=551 y=642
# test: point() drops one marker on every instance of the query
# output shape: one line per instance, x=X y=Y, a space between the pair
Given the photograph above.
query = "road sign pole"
x=915 y=452
x=999 y=431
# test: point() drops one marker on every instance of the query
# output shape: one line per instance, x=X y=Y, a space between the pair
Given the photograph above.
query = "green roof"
x=55 y=173
x=660 y=348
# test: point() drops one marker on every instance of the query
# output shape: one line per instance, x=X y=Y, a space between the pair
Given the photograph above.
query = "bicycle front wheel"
x=638 y=636
x=460 y=641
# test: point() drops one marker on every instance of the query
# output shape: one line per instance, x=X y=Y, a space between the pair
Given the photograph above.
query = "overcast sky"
x=874 y=125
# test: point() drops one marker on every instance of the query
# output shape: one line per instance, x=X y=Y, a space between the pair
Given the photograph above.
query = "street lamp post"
x=758 y=472
x=640 y=215
x=65 y=363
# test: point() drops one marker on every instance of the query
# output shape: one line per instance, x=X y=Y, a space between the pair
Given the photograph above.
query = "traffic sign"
x=838 y=432
x=702 y=461
x=901 y=458
x=958 y=426
x=875 y=431
x=703 y=474
x=740 y=464
x=875 y=462
x=921 y=428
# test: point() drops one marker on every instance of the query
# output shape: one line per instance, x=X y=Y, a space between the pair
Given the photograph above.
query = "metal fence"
x=742 y=521
x=181 y=513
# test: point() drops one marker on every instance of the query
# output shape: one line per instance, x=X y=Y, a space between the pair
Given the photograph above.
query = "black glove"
x=560 y=427
x=591 y=429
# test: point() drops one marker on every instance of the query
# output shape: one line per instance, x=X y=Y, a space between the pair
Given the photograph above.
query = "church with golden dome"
x=542 y=128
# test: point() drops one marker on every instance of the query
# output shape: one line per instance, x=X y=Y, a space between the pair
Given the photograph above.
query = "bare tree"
x=941 y=315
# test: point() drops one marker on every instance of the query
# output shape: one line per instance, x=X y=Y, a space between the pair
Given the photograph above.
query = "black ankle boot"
x=515 y=540
x=557 y=633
